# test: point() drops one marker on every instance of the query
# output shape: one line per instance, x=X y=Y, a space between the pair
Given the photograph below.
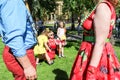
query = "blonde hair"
x=63 y=24
x=46 y=31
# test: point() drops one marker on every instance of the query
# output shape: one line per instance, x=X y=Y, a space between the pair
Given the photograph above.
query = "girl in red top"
x=52 y=45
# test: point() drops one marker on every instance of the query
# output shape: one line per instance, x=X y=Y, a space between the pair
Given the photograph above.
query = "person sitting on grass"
x=52 y=45
x=41 y=48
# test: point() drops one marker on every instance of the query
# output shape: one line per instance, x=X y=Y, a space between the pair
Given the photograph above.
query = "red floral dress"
x=52 y=46
x=109 y=66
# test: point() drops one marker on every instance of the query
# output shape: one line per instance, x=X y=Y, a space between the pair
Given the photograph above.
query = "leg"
x=62 y=51
x=39 y=56
x=62 y=48
x=37 y=60
x=48 y=59
x=13 y=65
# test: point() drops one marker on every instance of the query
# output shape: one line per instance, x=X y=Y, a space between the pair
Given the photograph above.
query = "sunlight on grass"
x=60 y=70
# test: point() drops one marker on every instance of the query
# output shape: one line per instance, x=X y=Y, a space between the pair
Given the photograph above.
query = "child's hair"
x=51 y=32
x=46 y=31
x=61 y=22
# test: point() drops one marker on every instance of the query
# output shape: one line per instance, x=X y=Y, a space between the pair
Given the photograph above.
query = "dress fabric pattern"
x=109 y=66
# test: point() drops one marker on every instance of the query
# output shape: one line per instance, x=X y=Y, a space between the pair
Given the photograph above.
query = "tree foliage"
x=118 y=8
x=78 y=6
x=41 y=8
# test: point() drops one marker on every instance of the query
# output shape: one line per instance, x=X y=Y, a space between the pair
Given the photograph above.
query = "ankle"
x=60 y=55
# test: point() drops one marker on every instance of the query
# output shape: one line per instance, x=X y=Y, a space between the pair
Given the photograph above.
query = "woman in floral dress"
x=96 y=59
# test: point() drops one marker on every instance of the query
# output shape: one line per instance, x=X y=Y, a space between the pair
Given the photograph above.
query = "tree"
x=41 y=8
x=77 y=7
x=118 y=9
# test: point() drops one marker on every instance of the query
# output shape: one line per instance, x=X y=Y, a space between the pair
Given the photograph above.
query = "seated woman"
x=52 y=45
x=41 y=48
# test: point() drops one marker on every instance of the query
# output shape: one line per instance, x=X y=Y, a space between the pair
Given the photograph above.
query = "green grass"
x=60 y=70
x=4 y=74
x=117 y=51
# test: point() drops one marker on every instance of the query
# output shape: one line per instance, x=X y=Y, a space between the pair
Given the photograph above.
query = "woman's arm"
x=101 y=26
x=45 y=44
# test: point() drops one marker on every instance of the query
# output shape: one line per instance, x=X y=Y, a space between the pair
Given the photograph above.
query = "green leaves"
x=78 y=6
x=42 y=8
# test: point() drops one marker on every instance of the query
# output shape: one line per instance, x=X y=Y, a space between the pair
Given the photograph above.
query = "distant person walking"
x=39 y=26
x=118 y=27
x=79 y=27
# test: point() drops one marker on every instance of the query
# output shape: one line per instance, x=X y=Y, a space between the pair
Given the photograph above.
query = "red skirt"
x=61 y=42
x=51 y=54
x=108 y=68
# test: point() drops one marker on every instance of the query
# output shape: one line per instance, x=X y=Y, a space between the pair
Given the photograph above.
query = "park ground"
x=60 y=70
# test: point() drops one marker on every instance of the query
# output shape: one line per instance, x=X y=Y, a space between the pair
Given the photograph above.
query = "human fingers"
x=32 y=77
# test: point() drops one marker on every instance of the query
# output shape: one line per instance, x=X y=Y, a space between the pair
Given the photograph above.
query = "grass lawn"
x=60 y=70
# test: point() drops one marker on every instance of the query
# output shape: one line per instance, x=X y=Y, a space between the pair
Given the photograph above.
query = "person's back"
x=41 y=40
x=40 y=48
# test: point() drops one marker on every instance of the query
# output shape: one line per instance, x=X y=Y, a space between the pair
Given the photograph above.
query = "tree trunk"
x=73 y=22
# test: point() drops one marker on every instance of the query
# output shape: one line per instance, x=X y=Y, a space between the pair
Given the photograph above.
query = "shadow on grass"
x=117 y=43
x=74 y=43
x=60 y=74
